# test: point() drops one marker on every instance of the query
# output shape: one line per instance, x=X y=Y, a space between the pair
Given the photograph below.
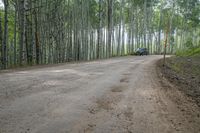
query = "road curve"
x=119 y=95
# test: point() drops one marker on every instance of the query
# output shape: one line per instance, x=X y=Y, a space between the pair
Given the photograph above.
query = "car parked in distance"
x=142 y=51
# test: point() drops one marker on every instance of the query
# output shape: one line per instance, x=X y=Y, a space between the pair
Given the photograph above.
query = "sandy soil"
x=119 y=95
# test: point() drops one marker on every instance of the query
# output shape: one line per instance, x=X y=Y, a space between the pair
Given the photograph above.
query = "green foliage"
x=189 y=43
x=189 y=52
x=10 y=23
x=94 y=8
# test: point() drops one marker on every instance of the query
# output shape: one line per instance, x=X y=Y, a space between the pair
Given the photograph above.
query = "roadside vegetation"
x=189 y=52
x=183 y=70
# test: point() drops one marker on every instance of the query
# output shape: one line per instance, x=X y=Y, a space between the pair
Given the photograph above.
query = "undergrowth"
x=189 y=52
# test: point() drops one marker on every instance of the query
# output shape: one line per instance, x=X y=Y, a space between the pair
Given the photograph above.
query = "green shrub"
x=189 y=43
x=189 y=52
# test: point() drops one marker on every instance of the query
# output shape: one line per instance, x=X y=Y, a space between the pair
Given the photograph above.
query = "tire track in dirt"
x=105 y=107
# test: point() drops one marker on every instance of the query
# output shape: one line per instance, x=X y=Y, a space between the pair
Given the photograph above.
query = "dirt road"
x=119 y=95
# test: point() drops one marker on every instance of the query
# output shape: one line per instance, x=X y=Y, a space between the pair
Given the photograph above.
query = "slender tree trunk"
x=99 y=30
x=145 y=23
x=15 y=35
x=37 y=44
x=1 y=44
x=22 y=27
x=5 y=38
x=159 y=32
x=123 y=26
x=110 y=18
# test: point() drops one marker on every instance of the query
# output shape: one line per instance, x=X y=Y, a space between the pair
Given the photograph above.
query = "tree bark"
x=110 y=19
x=5 y=37
x=1 y=44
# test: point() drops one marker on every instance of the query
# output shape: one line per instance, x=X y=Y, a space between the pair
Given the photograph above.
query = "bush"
x=189 y=52
x=133 y=53
x=189 y=43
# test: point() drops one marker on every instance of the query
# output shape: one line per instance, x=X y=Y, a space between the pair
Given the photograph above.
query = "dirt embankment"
x=184 y=73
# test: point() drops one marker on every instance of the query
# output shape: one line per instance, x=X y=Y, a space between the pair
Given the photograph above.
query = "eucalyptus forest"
x=55 y=31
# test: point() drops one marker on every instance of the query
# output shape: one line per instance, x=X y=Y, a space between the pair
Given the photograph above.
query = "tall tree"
x=5 y=38
x=1 y=43
x=110 y=22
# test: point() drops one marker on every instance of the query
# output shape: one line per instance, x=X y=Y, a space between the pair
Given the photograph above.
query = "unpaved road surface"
x=118 y=95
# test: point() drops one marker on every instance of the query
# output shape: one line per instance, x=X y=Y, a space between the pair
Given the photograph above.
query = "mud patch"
x=126 y=74
x=93 y=110
x=128 y=114
x=109 y=101
x=124 y=80
x=105 y=103
x=134 y=67
x=117 y=88
x=90 y=128
x=67 y=90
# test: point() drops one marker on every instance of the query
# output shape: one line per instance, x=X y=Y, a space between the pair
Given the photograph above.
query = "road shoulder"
x=172 y=89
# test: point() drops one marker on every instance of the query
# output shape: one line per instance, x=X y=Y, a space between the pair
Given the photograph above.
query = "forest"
x=55 y=31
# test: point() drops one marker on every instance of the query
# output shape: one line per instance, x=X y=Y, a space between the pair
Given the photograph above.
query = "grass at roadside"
x=183 y=70
x=189 y=52
x=186 y=62
x=189 y=66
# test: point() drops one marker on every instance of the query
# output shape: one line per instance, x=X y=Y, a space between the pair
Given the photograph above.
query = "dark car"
x=142 y=51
